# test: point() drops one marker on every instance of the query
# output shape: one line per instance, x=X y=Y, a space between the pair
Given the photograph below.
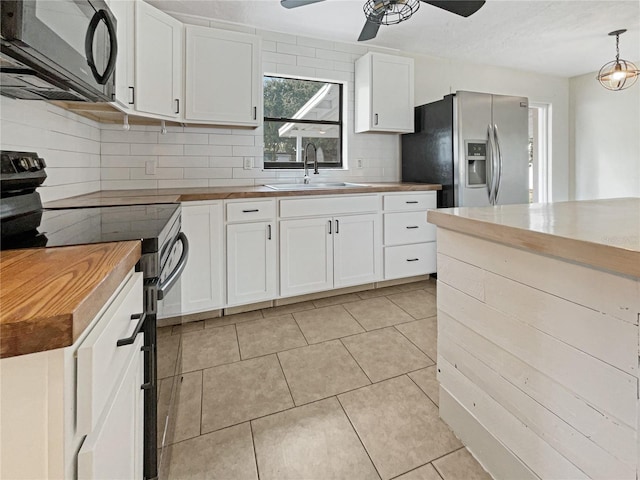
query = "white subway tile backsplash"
x=295 y=49
x=269 y=46
x=121 y=173
x=129 y=184
x=184 y=138
x=183 y=162
x=316 y=43
x=315 y=63
x=276 y=36
x=207 y=173
x=160 y=174
x=157 y=149
x=131 y=136
x=208 y=150
x=245 y=151
x=126 y=161
x=232 y=139
x=228 y=182
x=295 y=70
x=333 y=55
x=221 y=162
x=191 y=183
x=278 y=58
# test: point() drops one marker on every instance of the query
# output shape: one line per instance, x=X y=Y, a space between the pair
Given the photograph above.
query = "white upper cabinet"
x=223 y=77
x=158 y=62
x=384 y=93
x=124 y=11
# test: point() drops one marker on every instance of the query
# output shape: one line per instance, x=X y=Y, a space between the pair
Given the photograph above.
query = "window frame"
x=339 y=123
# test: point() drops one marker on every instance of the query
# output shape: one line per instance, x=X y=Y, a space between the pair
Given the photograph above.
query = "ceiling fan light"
x=618 y=74
x=390 y=12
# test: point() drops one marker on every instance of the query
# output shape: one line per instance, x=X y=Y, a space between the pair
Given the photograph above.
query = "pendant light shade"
x=618 y=74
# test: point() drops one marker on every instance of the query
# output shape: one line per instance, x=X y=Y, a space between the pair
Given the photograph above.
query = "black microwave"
x=58 y=50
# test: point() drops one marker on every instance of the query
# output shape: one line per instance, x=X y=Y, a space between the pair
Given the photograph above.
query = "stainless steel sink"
x=313 y=186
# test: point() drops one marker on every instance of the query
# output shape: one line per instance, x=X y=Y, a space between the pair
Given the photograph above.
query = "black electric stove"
x=25 y=224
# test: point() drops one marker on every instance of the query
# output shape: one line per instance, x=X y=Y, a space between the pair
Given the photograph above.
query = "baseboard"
x=492 y=454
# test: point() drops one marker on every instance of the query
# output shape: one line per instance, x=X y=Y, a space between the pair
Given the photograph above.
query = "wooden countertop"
x=601 y=233
x=173 y=195
x=50 y=295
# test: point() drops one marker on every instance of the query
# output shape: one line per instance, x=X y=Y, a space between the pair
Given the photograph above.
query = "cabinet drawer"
x=410 y=201
x=409 y=227
x=328 y=206
x=409 y=260
x=251 y=211
x=100 y=360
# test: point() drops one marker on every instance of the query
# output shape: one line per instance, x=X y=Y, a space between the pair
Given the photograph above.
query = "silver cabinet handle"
x=337 y=226
x=411 y=201
x=177 y=105
x=412 y=259
x=132 y=90
x=330 y=227
x=490 y=164
x=255 y=113
x=375 y=119
x=253 y=210
x=411 y=227
x=269 y=229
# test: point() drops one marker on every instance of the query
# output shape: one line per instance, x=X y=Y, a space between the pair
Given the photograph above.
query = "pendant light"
x=618 y=74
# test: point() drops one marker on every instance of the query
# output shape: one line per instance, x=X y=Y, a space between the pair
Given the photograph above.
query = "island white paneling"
x=542 y=358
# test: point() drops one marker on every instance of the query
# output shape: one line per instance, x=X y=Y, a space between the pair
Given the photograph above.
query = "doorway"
x=539 y=152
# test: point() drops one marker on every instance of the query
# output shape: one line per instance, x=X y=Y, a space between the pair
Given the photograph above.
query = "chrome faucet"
x=306 y=162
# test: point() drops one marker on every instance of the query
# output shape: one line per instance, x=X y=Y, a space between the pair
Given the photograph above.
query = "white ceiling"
x=558 y=37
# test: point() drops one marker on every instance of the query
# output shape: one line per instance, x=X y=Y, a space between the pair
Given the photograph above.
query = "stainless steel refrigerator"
x=475 y=145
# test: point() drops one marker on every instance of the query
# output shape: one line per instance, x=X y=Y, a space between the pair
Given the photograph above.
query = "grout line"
x=354 y=318
x=255 y=453
x=300 y=328
x=358 y=435
x=354 y=359
x=235 y=329
x=286 y=381
x=425 y=393
x=445 y=455
x=201 y=399
x=414 y=344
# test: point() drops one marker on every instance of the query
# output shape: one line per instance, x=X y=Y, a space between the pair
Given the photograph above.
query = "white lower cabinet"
x=251 y=262
x=203 y=278
x=114 y=449
x=78 y=411
x=322 y=253
x=251 y=251
x=409 y=241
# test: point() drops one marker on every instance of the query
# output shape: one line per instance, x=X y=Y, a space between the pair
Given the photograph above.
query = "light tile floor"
x=338 y=388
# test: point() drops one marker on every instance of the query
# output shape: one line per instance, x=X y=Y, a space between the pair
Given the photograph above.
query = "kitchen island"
x=538 y=310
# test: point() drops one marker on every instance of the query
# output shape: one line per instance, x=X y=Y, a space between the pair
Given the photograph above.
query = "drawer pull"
x=329 y=227
x=411 y=201
x=411 y=227
x=269 y=228
x=253 y=210
x=129 y=340
x=412 y=259
x=337 y=226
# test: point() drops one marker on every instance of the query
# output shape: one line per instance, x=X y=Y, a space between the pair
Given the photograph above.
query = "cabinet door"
x=251 y=262
x=357 y=252
x=223 y=77
x=306 y=256
x=158 y=61
x=114 y=448
x=202 y=279
x=392 y=93
x=124 y=11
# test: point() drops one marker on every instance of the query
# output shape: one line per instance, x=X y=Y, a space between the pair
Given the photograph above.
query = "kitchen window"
x=299 y=112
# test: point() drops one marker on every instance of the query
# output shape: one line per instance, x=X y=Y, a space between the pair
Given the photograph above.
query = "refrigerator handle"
x=490 y=163
x=499 y=163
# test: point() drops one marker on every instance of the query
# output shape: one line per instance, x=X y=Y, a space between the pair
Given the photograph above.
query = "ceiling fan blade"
x=370 y=29
x=297 y=3
x=463 y=8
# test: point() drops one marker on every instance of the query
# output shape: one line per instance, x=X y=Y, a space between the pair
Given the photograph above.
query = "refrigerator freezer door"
x=511 y=130
x=472 y=116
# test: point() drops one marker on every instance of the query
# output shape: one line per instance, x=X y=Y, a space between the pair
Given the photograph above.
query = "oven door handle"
x=165 y=286
x=101 y=15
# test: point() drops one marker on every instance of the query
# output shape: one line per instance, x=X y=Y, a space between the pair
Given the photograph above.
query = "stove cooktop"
x=79 y=226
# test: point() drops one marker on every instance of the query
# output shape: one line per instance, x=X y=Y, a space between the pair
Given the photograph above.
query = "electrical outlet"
x=150 y=167
x=248 y=163
x=359 y=163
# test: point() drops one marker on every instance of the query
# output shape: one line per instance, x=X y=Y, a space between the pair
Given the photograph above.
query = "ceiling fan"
x=389 y=12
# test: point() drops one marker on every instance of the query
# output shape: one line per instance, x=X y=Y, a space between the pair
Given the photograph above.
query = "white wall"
x=436 y=77
x=201 y=157
x=69 y=144
x=605 y=139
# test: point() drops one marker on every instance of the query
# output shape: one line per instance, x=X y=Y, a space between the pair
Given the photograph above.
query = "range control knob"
x=23 y=164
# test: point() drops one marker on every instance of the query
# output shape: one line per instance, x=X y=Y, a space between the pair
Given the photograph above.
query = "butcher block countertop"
x=173 y=195
x=49 y=296
x=601 y=233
